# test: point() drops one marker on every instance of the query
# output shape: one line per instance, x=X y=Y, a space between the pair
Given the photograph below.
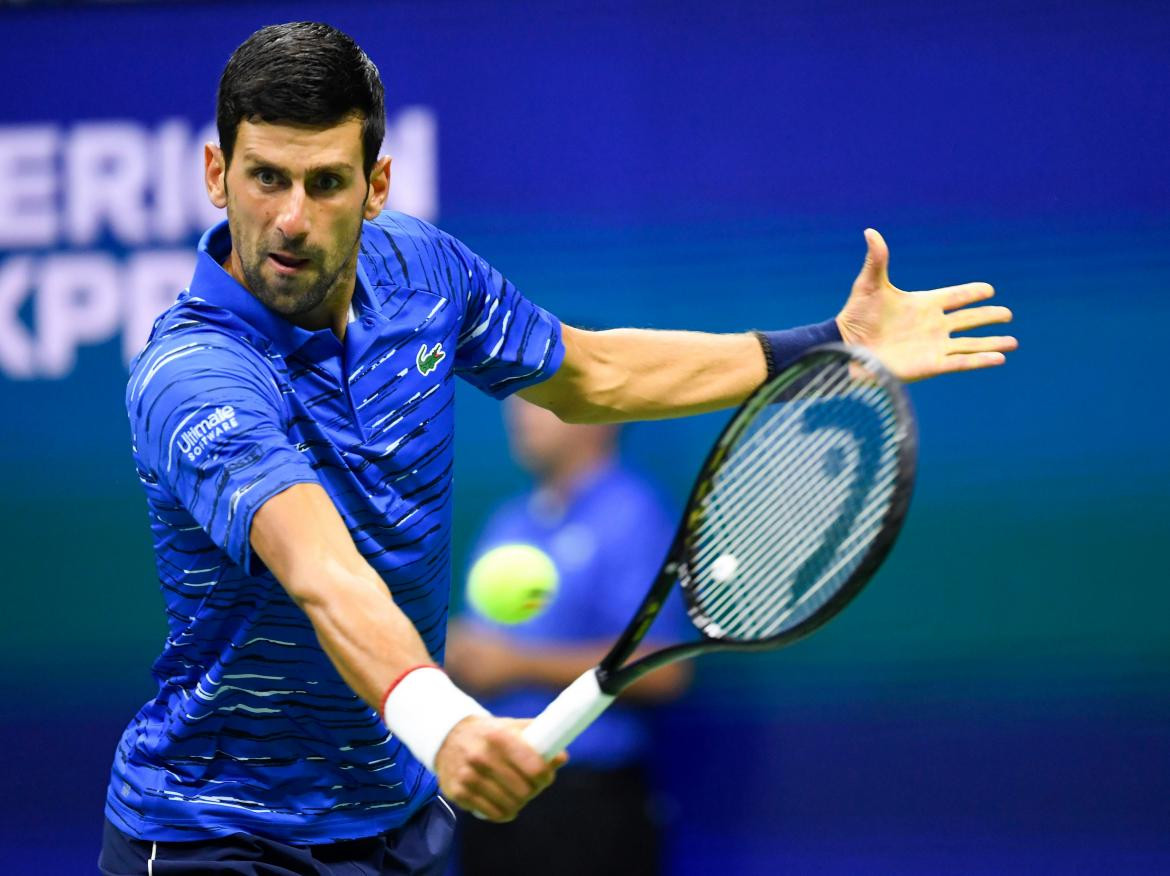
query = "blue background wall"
x=997 y=700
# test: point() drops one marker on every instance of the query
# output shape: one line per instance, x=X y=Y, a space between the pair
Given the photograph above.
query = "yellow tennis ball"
x=512 y=583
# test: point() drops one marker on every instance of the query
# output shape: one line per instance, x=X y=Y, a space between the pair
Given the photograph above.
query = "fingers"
x=516 y=768
x=499 y=794
x=998 y=344
x=876 y=270
x=976 y=317
x=491 y=770
x=971 y=362
x=954 y=297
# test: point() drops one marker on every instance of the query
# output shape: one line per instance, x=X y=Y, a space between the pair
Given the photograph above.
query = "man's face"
x=295 y=199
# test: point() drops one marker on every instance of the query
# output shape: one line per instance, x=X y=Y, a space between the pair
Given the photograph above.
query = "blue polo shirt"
x=608 y=539
x=252 y=729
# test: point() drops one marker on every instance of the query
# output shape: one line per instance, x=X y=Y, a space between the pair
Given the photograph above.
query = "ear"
x=215 y=174
x=379 y=188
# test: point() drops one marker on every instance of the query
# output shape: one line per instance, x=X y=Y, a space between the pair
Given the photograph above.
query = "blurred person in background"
x=606 y=530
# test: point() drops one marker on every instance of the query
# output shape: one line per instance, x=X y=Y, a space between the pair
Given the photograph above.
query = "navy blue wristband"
x=784 y=347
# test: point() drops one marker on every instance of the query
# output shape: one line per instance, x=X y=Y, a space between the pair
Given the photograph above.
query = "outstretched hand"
x=910 y=332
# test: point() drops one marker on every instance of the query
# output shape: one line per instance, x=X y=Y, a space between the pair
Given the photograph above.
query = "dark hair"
x=303 y=72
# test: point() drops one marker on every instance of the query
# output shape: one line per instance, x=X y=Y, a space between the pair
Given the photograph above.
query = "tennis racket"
x=795 y=508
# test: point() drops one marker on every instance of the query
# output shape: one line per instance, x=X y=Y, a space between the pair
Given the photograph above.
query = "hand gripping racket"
x=796 y=506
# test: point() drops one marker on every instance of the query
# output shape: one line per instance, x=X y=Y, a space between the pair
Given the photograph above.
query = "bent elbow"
x=580 y=411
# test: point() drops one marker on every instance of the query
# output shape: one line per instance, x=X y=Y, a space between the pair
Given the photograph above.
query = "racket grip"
x=567 y=716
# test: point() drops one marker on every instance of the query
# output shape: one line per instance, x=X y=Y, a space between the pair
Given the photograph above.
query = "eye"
x=328 y=182
x=266 y=176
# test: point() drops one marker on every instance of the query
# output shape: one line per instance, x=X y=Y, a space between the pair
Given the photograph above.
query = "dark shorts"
x=418 y=848
x=588 y=823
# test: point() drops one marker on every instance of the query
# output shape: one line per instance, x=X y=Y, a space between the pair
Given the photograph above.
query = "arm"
x=631 y=374
x=638 y=374
x=482 y=763
x=302 y=539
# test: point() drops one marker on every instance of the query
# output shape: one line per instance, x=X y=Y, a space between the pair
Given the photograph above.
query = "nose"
x=293 y=220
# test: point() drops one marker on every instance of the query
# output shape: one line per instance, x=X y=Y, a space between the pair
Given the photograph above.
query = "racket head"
x=799 y=501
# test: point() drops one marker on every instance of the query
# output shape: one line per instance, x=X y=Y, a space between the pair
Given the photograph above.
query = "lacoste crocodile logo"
x=428 y=360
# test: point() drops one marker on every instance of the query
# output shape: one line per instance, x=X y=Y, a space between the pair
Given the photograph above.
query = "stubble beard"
x=292 y=297
x=289 y=297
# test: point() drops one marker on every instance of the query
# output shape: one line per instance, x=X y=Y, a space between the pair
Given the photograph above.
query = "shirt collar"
x=213 y=284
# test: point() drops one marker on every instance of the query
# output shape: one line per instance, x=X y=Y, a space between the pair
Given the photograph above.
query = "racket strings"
x=751 y=458
x=769 y=618
x=763 y=612
x=725 y=524
x=773 y=548
x=757 y=613
x=758 y=450
x=807 y=488
x=764 y=556
x=795 y=503
x=743 y=468
x=733 y=498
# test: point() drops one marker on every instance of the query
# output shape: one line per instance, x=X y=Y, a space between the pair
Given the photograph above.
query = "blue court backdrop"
x=996 y=701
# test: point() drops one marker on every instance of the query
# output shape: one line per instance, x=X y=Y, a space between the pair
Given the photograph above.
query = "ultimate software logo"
x=194 y=441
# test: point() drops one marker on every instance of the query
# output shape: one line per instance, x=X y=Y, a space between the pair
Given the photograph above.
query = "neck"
x=562 y=479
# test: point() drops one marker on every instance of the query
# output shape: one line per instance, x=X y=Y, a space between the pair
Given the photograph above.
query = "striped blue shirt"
x=252 y=728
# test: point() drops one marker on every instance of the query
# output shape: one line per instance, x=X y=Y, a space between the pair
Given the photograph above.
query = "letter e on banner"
x=28 y=186
x=106 y=179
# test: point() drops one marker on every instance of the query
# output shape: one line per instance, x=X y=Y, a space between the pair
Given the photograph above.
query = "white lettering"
x=77 y=303
x=79 y=299
x=171 y=173
x=16 y=345
x=412 y=138
x=106 y=170
x=194 y=441
x=28 y=186
x=153 y=280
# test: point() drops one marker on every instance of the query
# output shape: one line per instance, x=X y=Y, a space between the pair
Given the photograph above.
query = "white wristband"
x=422 y=708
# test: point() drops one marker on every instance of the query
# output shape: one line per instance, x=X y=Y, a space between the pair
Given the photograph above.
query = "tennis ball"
x=512 y=583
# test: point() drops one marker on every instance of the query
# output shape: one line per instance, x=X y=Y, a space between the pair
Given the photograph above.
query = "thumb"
x=876 y=270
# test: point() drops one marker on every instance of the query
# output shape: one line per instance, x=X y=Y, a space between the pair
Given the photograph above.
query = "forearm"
x=366 y=636
x=640 y=374
x=304 y=543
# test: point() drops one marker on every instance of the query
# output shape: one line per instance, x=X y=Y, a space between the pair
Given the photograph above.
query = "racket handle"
x=567 y=716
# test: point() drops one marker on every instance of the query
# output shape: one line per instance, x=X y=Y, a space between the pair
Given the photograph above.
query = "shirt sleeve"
x=208 y=423
x=505 y=342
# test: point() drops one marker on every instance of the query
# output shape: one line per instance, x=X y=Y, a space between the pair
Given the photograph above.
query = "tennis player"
x=292 y=419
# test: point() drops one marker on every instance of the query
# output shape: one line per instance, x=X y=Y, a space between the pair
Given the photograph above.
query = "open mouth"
x=286 y=264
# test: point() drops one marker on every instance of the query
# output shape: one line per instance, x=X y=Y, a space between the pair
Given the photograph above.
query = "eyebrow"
x=339 y=167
